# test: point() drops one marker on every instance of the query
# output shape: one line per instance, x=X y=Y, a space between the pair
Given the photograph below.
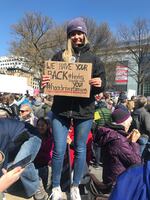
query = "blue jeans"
x=96 y=153
x=30 y=177
x=143 y=140
x=60 y=126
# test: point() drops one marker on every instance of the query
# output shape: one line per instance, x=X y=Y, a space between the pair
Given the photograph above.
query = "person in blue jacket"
x=16 y=142
x=133 y=184
x=8 y=178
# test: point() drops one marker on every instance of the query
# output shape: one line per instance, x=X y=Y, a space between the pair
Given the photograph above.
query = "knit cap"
x=77 y=24
x=122 y=96
x=119 y=116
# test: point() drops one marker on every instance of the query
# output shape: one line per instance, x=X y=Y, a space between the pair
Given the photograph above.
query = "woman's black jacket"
x=79 y=107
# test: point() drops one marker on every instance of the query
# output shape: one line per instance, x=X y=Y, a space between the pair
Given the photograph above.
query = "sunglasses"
x=22 y=111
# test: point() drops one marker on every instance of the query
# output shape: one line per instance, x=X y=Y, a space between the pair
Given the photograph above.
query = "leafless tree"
x=136 y=42
x=103 y=43
x=35 y=38
x=100 y=36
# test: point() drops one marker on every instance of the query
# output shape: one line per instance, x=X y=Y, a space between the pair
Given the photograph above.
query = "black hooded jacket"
x=79 y=107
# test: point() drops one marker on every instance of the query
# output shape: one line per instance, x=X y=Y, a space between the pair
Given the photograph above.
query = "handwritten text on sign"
x=68 y=79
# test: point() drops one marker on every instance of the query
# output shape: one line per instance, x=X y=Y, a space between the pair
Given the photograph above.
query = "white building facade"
x=18 y=66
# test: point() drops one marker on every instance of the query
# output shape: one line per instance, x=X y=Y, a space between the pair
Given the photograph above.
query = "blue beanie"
x=77 y=24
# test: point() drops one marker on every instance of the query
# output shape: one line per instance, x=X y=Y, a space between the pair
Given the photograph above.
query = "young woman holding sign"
x=78 y=109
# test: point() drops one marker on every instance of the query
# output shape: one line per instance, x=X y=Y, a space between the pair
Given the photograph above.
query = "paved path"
x=97 y=172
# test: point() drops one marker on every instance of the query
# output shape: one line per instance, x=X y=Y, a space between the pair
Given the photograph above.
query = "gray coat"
x=143 y=119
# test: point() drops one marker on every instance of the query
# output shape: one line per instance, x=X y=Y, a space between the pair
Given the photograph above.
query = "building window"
x=147 y=89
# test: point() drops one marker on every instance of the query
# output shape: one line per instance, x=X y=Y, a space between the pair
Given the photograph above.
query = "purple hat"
x=120 y=115
x=77 y=24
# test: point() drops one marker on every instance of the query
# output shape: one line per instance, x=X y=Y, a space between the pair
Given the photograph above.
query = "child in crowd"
x=44 y=157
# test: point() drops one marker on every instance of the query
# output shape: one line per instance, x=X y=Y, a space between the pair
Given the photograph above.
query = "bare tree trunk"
x=138 y=88
x=142 y=89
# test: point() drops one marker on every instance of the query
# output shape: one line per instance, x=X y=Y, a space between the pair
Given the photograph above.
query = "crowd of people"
x=117 y=140
x=74 y=132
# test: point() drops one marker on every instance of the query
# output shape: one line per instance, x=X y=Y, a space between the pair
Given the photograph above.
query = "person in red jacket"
x=70 y=140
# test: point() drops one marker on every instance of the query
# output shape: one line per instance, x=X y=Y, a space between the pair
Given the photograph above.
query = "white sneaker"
x=74 y=193
x=3 y=196
x=56 y=193
x=40 y=194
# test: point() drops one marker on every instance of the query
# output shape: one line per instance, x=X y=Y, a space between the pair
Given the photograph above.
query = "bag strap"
x=93 y=189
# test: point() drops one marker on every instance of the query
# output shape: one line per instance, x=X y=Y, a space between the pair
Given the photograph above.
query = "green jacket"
x=102 y=116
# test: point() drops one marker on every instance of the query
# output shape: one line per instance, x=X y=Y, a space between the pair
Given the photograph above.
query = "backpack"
x=97 y=189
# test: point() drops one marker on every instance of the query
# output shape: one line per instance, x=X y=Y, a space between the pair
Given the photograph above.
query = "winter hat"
x=77 y=24
x=119 y=116
x=122 y=96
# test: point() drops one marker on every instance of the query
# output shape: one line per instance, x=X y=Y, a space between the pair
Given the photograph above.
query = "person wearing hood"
x=139 y=186
x=78 y=109
x=8 y=178
x=119 y=148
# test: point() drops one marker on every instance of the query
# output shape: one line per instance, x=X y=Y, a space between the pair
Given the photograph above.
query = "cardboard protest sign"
x=68 y=79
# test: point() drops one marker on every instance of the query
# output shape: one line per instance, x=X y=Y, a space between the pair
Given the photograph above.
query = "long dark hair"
x=47 y=123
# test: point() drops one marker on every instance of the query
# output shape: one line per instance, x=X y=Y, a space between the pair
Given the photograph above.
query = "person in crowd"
x=119 y=148
x=106 y=96
x=44 y=157
x=5 y=111
x=81 y=110
x=9 y=100
x=8 y=178
x=122 y=102
x=27 y=115
x=70 y=141
x=132 y=184
x=141 y=121
x=98 y=99
x=71 y=150
x=17 y=142
x=37 y=107
x=102 y=115
x=48 y=101
x=131 y=104
x=23 y=99
x=147 y=106
x=110 y=105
